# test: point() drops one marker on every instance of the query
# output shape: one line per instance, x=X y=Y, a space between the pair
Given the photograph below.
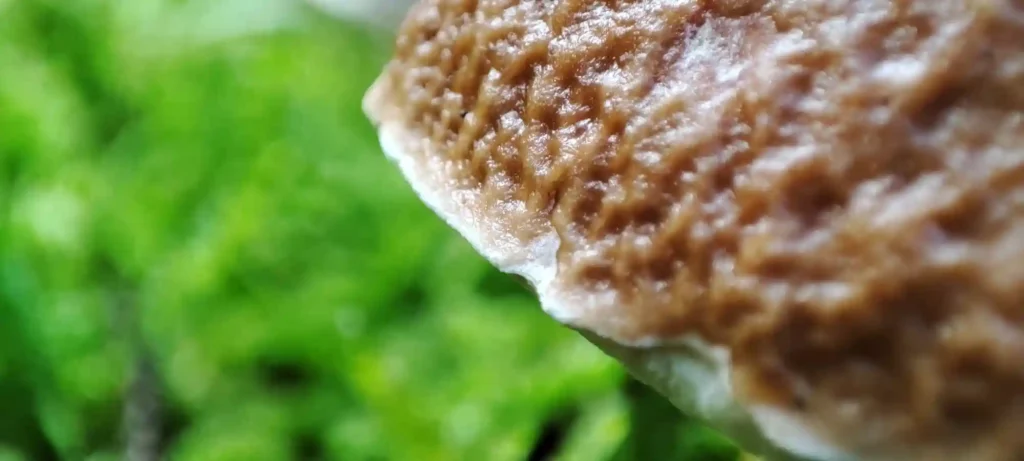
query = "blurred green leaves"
x=194 y=184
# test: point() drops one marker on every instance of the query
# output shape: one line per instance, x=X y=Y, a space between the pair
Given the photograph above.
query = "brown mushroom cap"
x=824 y=199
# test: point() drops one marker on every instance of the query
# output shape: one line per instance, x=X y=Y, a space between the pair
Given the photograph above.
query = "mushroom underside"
x=801 y=221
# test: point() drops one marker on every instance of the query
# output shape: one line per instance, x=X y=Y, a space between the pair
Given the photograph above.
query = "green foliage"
x=193 y=185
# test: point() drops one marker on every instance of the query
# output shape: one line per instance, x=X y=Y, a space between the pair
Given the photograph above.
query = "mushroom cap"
x=801 y=217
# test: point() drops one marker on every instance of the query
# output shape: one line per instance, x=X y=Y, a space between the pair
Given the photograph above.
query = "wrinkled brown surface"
x=832 y=189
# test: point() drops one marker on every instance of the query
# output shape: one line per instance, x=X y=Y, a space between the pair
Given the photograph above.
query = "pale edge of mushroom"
x=692 y=374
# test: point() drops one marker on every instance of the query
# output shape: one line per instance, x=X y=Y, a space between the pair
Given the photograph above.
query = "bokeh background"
x=205 y=256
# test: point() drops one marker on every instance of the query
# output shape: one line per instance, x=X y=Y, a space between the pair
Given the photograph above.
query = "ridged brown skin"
x=831 y=190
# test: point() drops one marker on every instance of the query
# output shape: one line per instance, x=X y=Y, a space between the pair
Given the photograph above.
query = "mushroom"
x=802 y=221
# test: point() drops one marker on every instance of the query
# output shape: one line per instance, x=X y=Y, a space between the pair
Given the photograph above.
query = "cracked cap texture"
x=832 y=191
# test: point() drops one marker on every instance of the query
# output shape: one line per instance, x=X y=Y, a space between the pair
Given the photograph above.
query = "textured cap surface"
x=831 y=193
